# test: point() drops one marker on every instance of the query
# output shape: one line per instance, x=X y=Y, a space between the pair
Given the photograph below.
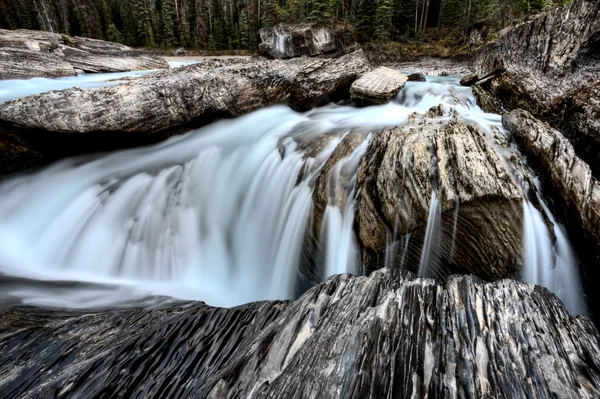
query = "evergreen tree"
x=168 y=37
x=383 y=20
x=273 y=14
x=244 y=34
x=365 y=21
x=145 y=34
x=322 y=13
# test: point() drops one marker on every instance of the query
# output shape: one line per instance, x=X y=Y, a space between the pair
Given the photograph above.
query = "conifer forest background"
x=218 y=25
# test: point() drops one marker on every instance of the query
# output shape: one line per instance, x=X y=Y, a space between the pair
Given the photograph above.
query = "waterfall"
x=337 y=234
x=430 y=251
x=221 y=213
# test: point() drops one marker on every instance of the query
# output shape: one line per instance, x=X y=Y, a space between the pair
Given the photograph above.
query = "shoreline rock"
x=387 y=335
x=549 y=66
x=163 y=103
x=27 y=54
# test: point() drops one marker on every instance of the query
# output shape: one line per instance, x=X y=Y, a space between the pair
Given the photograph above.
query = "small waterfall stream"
x=220 y=214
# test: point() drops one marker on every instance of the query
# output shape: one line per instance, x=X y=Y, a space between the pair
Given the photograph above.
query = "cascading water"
x=220 y=214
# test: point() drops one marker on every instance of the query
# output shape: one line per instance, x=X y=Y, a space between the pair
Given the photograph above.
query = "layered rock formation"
x=550 y=66
x=203 y=91
x=379 y=86
x=571 y=181
x=124 y=115
x=382 y=336
x=289 y=41
x=405 y=168
x=27 y=54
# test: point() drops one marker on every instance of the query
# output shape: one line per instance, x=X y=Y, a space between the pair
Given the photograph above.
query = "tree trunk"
x=426 y=15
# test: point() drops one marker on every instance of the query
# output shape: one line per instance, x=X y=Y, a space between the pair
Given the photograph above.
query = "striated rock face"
x=474 y=191
x=198 y=92
x=289 y=41
x=550 y=66
x=381 y=336
x=379 y=86
x=571 y=178
x=27 y=54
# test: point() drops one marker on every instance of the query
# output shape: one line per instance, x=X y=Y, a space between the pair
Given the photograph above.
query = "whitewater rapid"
x=221 y=213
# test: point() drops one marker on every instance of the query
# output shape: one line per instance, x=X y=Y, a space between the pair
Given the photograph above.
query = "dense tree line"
x=234 y=24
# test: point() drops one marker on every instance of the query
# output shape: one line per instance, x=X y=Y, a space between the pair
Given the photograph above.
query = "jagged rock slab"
x=289 y=41
x=379 y=86
x=201 y=92
x=26 y=54
x=382 y=336
x=396 y=180
x=550 y=66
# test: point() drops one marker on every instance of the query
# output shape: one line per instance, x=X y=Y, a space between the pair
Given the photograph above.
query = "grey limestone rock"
x=379 y=86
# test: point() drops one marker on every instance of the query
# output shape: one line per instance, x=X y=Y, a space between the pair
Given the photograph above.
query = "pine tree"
x=295 y=11
x=365 y=21
x=273 y=14
x=321 y=13
x=168 y=37
x=145 y=33
x=244 y=34
x=383 y=20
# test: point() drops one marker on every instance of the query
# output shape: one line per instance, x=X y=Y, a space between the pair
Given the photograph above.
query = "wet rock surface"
x=570 y=179
x=157 y=105
x=550 y=66
x=398 y=176
x=417 y=77
x=175 y=97
x=27 y=54
x=289 y=41
x=379 y=86
x=385 y=335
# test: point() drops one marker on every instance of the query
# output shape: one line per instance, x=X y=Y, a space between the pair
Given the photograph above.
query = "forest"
x=234 y=24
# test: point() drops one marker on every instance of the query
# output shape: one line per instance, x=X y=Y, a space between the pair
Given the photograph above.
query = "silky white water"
x=17 y=88
x=219 y=214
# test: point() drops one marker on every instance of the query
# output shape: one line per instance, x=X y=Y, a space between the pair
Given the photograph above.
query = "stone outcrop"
x=474 y=186
x=289 y=41
x=379 y=86
x=171 y=98
x=571 y=181
x=382 y=336
x=550 y=66
x=160 y=103
x=27 y=54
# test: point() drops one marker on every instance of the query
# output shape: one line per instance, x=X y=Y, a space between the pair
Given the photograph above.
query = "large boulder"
x=448 y=176
x=382 y=336
x=550 y=67
x=27 y=54
x=289 y=41
x=379 y=86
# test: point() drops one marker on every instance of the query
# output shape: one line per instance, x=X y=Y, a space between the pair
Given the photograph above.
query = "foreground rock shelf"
x=27 y=54
x=372 y=337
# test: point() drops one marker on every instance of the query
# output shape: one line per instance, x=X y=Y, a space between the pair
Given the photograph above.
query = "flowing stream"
x=221 y=213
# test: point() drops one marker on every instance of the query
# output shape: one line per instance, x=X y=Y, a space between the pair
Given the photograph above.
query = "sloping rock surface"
x=289 y=41
x=401 y=171
x=570 y=182
x=27 y=54
x=550 y=66
x=381 y=336
x=203 y=91
x=379 y=86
